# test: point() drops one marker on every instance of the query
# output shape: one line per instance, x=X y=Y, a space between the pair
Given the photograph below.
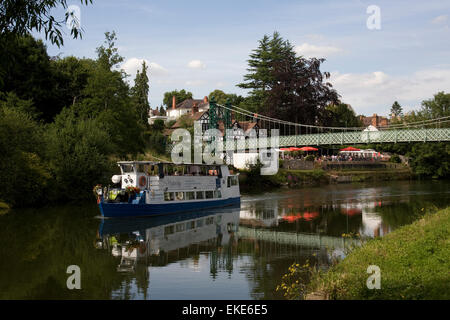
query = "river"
x=232 y=253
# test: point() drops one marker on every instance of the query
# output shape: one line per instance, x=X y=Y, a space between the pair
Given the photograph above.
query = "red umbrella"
x=308 y=149
x=350 y=149
x=285 y=149
x=295 y=149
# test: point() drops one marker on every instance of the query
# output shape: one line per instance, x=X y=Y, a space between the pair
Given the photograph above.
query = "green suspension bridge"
x=294 y=134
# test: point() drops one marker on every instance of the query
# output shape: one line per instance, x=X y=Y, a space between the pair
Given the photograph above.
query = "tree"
x=21 y=145
x=107 y=97
x=341 y=115
x=140 y=94
x=162 y=111
x=222 y=97
x=20 y=17
x=286 y=86
x=180 y=96
x=77 y=153
x=30 y=75
x=396 y=110
x=437 y=107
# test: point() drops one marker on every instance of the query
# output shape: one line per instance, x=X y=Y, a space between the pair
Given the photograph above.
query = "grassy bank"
x=414 y=263
x=251 y=181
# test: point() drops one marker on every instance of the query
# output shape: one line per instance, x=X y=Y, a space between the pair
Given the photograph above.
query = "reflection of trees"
x=400 y=213
x=37 y=248
x=269 y=261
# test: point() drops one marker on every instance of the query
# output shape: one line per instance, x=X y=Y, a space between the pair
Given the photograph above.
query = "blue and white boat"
x=146 y=188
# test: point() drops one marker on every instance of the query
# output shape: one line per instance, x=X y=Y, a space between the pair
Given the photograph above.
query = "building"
x=189 y=106
x=375 y=120
x=155 y=115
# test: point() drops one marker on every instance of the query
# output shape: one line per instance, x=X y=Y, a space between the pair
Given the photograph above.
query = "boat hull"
x=111 y=210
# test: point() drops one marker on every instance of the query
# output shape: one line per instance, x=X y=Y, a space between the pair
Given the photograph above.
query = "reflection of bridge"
x=300 y=239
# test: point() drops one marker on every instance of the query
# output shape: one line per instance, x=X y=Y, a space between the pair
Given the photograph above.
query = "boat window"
x=190 y=225
x=209 y=220
x=217 y=194
x=180 y=227
x=209 y=194
x=152 y=170
x=169 y=230
x=232 y=181
x=190 y=195
x=180 y=195
x=199 y=223
x=141 y=168
x=127 y=168
x=200 y=195
x=218 y=219
x=169 y=196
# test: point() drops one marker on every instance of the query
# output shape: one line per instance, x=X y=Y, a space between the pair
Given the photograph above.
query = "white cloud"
x=375 y=92
x=133 y=64
x=194 y=83
x=440 y=19
x=309 y=50
x=196 y=64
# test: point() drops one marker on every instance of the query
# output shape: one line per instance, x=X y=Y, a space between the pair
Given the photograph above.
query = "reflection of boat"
x=147 y=188
x=148 y=236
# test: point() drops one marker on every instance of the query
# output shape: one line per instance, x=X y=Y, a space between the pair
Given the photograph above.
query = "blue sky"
x=203 y=45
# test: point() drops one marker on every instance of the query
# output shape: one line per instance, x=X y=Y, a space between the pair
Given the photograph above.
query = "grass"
x=414 y=261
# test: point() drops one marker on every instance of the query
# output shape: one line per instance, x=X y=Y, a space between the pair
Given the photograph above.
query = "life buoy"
x=142 y=181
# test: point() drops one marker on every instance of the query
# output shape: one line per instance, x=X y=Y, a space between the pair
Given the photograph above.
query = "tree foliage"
x=21 y=17
x=180 y=96
x=286 y=86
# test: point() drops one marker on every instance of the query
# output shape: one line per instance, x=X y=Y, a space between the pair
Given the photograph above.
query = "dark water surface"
x=232 y=253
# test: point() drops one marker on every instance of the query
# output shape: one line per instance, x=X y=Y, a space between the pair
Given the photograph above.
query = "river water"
x=232 y=253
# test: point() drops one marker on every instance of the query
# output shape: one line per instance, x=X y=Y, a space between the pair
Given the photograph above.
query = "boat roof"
x=167 y=162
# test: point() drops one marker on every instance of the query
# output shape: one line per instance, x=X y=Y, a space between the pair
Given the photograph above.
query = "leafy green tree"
x=72 y=76
x=21 y=17
x=396 y=109
x=77 y=153
x=30 y=75
x=24 y=174
x=107 y=97
x=180 y=96
x=162 y=111
x=222 y=97
x=437 y=107
x=342 y=115
x=431 y=159
x=140 y=94
x=286 y=86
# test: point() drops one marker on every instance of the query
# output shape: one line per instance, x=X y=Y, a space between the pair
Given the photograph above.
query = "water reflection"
x=238 y=252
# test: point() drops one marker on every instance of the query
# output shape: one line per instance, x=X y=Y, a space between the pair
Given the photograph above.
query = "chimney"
x=205 y=99
x=194 y=108
x=173 y=102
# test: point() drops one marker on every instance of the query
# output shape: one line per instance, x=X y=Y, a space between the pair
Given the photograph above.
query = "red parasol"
x=308 y=149
x=350 y=149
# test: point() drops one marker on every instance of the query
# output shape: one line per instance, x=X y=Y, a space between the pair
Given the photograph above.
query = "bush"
x=24 y=175
x=395 y=159
x=77 y=151
x=310 y=157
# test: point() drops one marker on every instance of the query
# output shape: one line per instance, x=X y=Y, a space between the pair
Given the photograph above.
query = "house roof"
x=246 y=125
x=189 y=103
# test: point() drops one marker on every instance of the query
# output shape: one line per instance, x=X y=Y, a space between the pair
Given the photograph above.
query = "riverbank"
x=252 y=182
x=414 y=261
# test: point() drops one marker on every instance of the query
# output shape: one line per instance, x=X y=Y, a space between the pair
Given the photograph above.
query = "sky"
x=395 y=51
